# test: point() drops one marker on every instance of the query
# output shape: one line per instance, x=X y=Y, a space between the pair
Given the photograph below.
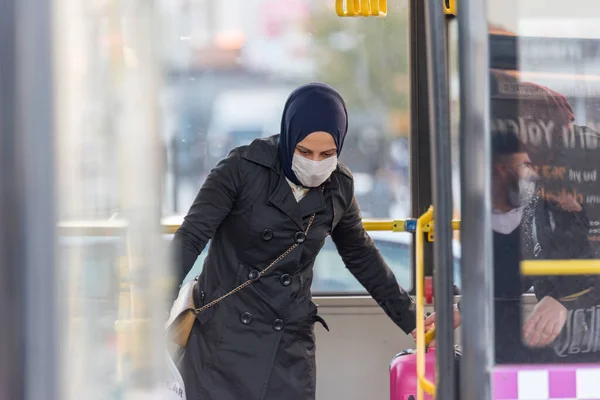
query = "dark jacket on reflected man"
x=259 y=343
x=544 y=232
x=563 y=235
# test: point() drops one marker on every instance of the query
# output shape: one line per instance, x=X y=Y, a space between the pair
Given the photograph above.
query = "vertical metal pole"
x=36 y=131
x=441 y=168
x=476 y=233
x=12 y=363
x=420 y=156
x=28 y=340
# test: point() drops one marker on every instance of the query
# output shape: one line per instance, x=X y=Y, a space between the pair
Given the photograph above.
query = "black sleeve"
x=569 y=240
x=542 y=287
x=584 y=291
x=213 y=203
x=586 y=298
x=364 y=261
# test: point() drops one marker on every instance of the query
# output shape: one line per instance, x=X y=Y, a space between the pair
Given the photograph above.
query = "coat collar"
x=265 y=153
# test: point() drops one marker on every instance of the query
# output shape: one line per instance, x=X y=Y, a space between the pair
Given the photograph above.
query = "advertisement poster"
x=545 y=105
x=552 y=102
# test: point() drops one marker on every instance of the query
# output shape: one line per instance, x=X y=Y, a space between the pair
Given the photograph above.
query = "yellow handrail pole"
x=119 y=227
x=422 y=383
x=560 y=267
x=397 y=225
x=456 y=224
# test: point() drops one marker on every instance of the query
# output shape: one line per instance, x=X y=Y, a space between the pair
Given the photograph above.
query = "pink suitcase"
x=403 y=374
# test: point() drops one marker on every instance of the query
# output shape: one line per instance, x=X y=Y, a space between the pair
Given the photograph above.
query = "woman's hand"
x=544 y=324
x=430 y=323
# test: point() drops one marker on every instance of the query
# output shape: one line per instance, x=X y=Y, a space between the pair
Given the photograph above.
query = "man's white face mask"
x=525 y=190
x=313 y=173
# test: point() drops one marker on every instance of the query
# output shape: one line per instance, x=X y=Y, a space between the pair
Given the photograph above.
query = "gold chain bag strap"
x=184 y=311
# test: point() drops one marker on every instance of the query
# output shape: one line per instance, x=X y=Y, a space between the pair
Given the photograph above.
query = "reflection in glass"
x=544 y=110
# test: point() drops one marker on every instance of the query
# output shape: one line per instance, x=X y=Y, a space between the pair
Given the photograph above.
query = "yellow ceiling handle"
x=423 y=384
x=361 y=8
x=377 y=8
x=449 y=7
x=352 y=8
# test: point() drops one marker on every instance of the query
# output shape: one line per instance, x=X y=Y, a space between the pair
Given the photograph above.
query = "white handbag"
x=175 y=388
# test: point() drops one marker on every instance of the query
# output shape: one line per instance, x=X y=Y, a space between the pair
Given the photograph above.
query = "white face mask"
x=313 y=173
x=527 y=190
x=525 y=194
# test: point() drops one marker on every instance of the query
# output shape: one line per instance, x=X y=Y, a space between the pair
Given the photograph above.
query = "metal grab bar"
x=441 y=185
x=477 y=261
x=119 y=227
x=423 y=384
x=560 y=267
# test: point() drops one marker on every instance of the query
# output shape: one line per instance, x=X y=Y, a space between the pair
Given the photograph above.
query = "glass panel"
x=455 y=132
x=545 y=103
x=230 y=67
x=109 y=163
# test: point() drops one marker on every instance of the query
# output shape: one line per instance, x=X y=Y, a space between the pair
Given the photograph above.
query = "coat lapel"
x=264 y=152
x=312 y=203
x=282 y=197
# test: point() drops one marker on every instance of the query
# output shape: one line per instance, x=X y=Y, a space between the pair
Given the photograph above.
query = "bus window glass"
x=453 y=81
x=545 y=115
x=108 y=160
x=231 y=66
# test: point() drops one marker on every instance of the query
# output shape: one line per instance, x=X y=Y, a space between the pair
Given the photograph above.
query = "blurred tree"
x=367 y=59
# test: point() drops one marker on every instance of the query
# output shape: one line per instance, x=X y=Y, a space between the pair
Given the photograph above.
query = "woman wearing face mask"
x=276 y=199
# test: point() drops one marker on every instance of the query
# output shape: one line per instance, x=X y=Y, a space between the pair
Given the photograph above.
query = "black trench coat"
x=259 y=343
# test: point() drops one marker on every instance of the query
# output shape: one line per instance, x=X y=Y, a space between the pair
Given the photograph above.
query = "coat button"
x=300 y=237
x=267 y=234
x=253 y=275
x=286 y=279
x=278 y=325
x=246 y=318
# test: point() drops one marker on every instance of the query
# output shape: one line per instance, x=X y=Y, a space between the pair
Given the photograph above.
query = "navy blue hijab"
x=310 y=108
